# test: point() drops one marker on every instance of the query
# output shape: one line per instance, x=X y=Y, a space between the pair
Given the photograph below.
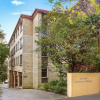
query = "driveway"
x=32 y=94
x=89 y=97
x=28 y=94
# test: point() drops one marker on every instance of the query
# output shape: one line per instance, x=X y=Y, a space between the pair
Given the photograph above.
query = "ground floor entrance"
x=15 y=79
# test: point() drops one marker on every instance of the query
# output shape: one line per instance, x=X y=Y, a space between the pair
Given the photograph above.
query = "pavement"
x=28 y=94
x=88 y=97
x=32 y=94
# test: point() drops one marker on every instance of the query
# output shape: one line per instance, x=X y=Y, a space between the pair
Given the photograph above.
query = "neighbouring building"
x=25 y=63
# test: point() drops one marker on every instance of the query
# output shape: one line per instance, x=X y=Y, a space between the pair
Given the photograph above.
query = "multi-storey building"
x=24 y=62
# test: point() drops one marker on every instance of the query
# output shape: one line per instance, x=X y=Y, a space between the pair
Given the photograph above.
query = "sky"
x=10 y=11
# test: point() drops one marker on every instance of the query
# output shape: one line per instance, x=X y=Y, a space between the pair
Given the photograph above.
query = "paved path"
x=28 y=94
x=32 y=94
x=89 y=97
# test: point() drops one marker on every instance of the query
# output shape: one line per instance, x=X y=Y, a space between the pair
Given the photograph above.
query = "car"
x=6 y=81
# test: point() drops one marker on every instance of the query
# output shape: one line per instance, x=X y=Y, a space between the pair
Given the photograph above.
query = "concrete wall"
x=79 y=84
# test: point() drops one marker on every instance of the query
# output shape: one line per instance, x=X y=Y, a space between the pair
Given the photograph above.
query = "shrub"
x=54 y=82
x=0 y=81
x=62 y=83
x=56 y=86
x=3 y=76
x=60 y=90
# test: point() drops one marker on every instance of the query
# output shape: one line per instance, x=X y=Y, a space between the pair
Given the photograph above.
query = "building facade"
x=24 y=62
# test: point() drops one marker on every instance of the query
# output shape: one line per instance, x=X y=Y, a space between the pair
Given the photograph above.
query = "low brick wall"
x=79 y=84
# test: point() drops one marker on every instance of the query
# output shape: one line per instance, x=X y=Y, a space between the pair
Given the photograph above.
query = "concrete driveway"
x=28 y=94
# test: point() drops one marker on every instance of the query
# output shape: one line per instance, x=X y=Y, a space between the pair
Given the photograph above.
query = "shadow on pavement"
x=89 y=97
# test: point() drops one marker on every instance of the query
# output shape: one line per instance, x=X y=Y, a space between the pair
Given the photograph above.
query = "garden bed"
x=59 y=87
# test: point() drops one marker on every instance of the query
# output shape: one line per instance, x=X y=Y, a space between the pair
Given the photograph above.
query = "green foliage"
x=67 y=44
x=3 y=75
x=61 y=90
x=61 y=83
x=97 y=62
x=0 y=80
x=54 y=82
x=2 y=35
x=4 y=52
x=0 y=91
x=71 y=40
x=56 y=86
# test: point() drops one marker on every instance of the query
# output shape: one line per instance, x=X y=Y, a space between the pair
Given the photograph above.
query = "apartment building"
x=24 y=62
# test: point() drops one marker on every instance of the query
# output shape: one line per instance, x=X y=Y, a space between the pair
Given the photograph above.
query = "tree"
x=4 y=48
x=4 y=52
x=68 y=41
x=1 y=35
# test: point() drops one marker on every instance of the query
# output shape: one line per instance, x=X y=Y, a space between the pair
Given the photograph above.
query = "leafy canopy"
x=69 y=40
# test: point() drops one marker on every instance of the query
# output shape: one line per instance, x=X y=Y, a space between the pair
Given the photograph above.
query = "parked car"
x=6 y=81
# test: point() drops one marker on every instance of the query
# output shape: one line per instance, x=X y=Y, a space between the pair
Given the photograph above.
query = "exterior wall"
x=26 y=68
x=27 y=64
x=37 y=58
x=52 y=75
x=15 y=68
x=28 y=27
x=30 y=71
x=27 y=76
x=79 y=84
x=36 y=55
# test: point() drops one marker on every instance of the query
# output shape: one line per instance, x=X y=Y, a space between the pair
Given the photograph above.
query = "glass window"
x=21 y=43
x=44 y=69
x=21 y=27
x=20 y=59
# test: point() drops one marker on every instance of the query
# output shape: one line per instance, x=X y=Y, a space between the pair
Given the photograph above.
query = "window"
x=14 y=61
x=20 y=59
x=16 y=47
x=21 y=27
x=44 y=69
x=18 y=32
x=13 y=50
x=44 y=79
x=21 y=43
x=14 y=38
x=16 y=35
